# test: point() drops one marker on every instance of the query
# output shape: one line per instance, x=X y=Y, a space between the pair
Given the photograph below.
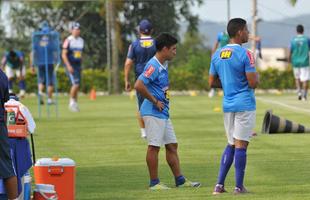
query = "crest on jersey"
x=226 y=53
x=146 y=43
x=149 y=71
x=44 y=41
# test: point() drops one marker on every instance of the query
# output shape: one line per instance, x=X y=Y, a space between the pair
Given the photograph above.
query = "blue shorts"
x=75 y=78
x=6 y=163
x=42 y=74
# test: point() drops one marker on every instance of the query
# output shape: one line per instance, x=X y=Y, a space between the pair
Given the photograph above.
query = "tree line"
x=166 y=16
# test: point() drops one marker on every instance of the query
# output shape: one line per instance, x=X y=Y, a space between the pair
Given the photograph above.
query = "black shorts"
x=6 y=163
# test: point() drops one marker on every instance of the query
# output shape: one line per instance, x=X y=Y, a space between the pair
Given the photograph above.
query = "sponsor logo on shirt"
x=146 y=43
x=251 y=58
x=225 y=53
x=149 y=71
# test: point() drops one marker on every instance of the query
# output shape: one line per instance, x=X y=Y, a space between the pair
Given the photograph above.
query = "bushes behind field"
x=275 y=79
x=191 y=76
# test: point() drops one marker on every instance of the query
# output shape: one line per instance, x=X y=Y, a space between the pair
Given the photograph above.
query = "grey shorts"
x=159 y=132
x=6 y=163
x=239 y=125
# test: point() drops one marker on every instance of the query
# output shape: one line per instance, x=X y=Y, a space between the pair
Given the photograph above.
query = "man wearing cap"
x=139 y=53
x=13 y=63
x=72 y=57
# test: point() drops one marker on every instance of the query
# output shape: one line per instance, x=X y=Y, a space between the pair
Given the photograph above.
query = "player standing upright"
x=153 y=84
x=139 y=53
x=222 y=40
x=299 y=57
x=234 y=67
x=72 y=56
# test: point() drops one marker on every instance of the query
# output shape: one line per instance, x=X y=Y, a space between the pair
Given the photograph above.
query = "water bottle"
x=27 y=186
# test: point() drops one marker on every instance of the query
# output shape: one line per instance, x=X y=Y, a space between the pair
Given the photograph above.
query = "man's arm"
x=214 y=81
x=3 y=63
x=66 y=60
x=141 y=88
x=253 y=79
x=215 y=47
x=127 y=67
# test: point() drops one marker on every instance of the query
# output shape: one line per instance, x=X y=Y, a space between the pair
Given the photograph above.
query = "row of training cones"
x=92 y=95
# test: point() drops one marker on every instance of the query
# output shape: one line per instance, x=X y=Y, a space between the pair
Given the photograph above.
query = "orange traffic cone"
x=92 y=95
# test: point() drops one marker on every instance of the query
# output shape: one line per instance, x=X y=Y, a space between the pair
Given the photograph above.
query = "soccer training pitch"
x=104 y=141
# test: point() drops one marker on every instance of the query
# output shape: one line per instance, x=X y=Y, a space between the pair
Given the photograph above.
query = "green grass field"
x=104 y=141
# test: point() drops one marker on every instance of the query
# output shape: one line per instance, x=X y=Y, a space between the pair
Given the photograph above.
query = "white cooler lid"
x=45 y=187
x=54 y=162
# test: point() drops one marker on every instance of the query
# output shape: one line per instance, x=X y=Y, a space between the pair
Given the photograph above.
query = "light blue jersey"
x=231 y=63
x=155 y=78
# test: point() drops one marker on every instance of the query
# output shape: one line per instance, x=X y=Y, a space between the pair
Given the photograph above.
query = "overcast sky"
x=268 y=10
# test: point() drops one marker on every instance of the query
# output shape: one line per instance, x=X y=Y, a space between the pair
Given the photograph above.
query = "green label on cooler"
x=11 y=118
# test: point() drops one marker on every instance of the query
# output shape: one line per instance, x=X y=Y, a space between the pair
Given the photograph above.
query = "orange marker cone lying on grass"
x=92 y=95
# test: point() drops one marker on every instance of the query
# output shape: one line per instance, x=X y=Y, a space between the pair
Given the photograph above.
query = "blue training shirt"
x=141 y=51
x=231 y=63
x=155 y=78
x=14 y=63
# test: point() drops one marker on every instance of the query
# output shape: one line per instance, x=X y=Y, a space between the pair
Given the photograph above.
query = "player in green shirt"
x=299 y=57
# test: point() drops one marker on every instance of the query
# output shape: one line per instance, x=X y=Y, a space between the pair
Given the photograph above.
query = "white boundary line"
x=294 y=108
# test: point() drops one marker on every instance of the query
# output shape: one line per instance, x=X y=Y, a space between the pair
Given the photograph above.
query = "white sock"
x=72 y=101
x=143 y=133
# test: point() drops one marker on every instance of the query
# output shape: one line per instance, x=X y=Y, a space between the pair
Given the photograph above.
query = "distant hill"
x=273 y=33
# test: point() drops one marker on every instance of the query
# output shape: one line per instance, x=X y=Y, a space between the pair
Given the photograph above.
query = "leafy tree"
x=165 y=16
x=27 y=17
x=293 y=2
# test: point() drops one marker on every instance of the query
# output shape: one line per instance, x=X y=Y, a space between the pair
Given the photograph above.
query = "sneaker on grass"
x=189 y=183
x=241 y=190
x=218 y=189
x=159 y=186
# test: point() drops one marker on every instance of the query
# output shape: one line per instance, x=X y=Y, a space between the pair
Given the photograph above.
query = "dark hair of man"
x=300 y=29
x=235 y=25
x=165 y=40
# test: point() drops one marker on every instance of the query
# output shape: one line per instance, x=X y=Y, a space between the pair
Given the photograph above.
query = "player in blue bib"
x=13 y=63
x=139 y=53
x=153 y=85
x=233 y=69
x=299 y=57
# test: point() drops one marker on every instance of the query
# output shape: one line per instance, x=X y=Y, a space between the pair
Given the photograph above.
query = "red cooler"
x=57 y=172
